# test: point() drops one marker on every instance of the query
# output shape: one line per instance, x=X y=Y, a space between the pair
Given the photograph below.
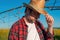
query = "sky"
x=9 y=18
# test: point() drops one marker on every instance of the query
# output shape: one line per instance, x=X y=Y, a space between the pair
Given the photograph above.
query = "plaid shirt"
x=19 y=31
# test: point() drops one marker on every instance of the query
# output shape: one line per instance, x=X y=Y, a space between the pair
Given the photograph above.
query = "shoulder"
x=16 y=24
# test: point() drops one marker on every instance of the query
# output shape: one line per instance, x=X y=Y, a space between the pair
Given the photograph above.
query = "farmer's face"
x=31 y=15
x=34 y=15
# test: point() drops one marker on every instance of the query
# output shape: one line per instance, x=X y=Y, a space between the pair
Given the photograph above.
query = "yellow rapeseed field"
x=4 y=34
x=57 y=31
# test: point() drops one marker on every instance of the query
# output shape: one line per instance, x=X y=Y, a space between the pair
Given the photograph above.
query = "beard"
x=31 y=20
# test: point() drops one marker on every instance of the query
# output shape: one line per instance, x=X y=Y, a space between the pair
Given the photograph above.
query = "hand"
x=49 y=20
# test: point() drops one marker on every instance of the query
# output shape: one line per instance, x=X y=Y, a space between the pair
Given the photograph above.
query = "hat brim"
x=41 y=11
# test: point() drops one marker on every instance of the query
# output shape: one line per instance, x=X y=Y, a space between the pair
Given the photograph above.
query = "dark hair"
x=29 y=9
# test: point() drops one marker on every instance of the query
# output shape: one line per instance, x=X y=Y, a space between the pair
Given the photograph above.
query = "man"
x=28 y=27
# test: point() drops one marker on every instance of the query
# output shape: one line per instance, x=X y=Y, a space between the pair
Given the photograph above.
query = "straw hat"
x=37 y=5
